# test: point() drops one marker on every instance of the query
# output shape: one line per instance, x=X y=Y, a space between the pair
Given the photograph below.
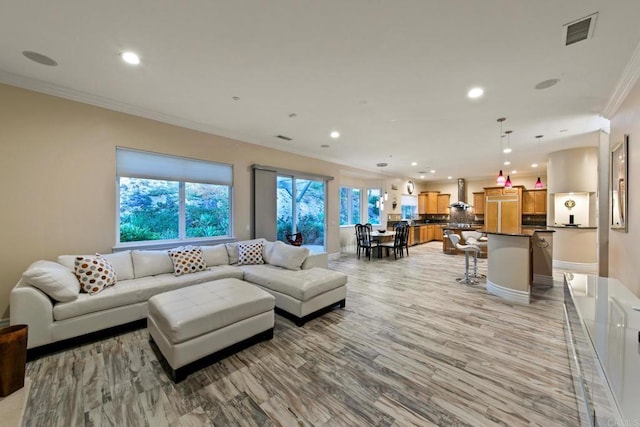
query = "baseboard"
x=4 y=322
x=542 y=279
x=577 y=267
x=334 y=257
x=519 y=297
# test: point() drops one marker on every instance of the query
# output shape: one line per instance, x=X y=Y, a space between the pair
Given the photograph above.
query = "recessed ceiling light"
x=507 y=150
x=39 y=58
x=325 y=146
x=421 y=176
x=414 y=163
x=514 y=172
x=476 y=92
x=449 y=177
x=432 y=171
x=534 y=165
x=335 y=134
x=130 y=58
x=507 y=163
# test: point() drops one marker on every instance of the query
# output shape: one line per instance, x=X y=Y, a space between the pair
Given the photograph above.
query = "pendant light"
x=539 y=183
x=507 y=183
x=381 y=199
x=500 y=180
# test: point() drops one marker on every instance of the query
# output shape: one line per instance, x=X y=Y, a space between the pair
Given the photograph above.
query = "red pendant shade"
x=507 y=183
x=500 y=180
x=539 y=183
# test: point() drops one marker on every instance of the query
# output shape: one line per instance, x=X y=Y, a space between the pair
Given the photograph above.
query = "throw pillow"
x=94 y=273
x=289 y=257
x=151 y=263
x=232 y=249
x=120 y=261
x=53 y=279
x=250 y=253
x=187 y=259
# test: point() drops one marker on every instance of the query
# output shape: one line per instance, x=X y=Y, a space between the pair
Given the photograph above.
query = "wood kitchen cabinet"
x=431 y=232
x=443 y=202
x=534 y=202
x=478 y=203
x=428 y=202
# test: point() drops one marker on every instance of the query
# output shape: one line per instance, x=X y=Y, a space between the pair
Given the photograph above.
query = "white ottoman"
x=203 y=323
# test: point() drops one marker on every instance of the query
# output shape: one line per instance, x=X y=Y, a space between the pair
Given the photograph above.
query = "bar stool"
x=473 y=238
x=455 y=241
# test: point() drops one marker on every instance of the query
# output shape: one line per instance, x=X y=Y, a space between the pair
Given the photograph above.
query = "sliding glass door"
x=301 y=209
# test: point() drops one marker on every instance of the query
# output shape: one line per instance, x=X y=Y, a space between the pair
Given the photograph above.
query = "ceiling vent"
x=286 y=138
x=579 y=30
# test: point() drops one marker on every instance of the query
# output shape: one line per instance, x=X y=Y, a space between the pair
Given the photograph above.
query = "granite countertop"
x=523 y=232
x=573 y=227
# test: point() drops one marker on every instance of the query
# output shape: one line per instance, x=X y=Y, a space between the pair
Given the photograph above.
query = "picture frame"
x=619 y=187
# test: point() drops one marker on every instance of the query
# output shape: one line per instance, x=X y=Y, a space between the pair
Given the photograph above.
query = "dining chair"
x=363 y=237
x=397 y=244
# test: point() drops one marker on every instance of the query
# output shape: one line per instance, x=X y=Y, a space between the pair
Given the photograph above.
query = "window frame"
x=349 y=208
x=182 y=211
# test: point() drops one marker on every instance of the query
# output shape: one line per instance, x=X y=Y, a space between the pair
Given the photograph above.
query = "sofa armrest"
x=30 y=306
x=318 y=259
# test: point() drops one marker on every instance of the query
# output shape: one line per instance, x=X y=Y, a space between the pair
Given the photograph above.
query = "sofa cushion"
x=267 y=250
x=187 y=260
x=94 y=273
x=215 y=255
x=250 y=253
x=289 y=257
x=151 y=263
x=55 y=280
x=139 y=290
x=301 y=284
x=232 y=249
x=120 y=261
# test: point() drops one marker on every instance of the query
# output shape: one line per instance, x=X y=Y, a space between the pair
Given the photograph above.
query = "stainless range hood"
x=462 y=196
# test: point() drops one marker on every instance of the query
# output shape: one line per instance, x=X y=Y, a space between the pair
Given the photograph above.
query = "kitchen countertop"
x=523 y=232
x=573 y=227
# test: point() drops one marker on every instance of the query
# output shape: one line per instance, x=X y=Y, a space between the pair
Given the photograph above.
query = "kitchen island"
x=519 y=261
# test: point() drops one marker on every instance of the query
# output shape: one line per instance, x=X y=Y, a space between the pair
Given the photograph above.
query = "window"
x=408 y=207
x=350 y=204
x=163 y=197
x=300 y=209
x=373 y=206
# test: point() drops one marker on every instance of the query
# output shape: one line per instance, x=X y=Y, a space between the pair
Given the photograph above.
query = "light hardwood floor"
x=412 y=347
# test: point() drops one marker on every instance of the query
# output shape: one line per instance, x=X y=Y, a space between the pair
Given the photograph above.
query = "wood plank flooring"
x=412 y=347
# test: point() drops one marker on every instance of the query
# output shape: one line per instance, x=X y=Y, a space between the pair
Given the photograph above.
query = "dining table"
x=377 y=236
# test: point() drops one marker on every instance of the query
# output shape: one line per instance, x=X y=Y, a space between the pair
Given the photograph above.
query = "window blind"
x=144 y=164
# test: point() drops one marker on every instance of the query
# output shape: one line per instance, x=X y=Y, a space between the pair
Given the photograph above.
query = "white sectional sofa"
x=48 y=300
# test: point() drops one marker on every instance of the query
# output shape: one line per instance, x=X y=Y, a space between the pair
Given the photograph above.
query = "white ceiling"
x=391 y=76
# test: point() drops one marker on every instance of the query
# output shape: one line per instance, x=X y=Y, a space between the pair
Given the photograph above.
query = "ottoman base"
x=185 y=357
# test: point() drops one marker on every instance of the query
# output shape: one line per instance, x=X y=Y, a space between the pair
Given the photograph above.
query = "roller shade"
x=409 y=201
x=143 y=164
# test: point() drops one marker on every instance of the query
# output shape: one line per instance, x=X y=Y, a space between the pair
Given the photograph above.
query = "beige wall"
x=58 y=171
x=624 y=251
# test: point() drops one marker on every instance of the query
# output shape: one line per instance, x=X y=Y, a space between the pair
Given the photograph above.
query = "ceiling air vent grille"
x=286 y=138
x=579 y=30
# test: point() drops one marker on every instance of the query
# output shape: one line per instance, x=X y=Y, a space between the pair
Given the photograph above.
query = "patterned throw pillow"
x=250 y=253
x=187 y=259
x=94 y=273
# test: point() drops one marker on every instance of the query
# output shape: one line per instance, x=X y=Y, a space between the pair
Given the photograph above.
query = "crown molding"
x=627 y=81
x=111 y=104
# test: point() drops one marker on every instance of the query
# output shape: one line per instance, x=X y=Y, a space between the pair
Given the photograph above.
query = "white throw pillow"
x=232 y=249
x=151 y=263
x=215 y=255
x=120 y=261
x=94 y=273
x=250 y=253
x=289 y=257
x=187 y=259
x=53 y=279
